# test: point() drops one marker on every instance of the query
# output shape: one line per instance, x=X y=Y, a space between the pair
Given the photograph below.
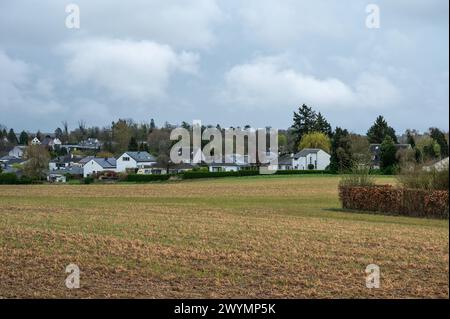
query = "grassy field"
x=277 y=236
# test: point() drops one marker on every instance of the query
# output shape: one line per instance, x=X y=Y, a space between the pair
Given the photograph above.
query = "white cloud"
x=137 y=70
x=266 y=83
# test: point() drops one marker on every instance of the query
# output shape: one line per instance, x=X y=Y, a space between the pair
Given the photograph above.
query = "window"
x=126 y=159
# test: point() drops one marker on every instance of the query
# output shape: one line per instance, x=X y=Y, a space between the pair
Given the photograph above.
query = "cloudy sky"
x=232 y=62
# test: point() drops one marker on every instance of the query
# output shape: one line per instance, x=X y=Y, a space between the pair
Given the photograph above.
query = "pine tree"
x=304 y=122
x=379 y=130
x=23 y=138
x=321 y=125
x=133 y=145
x=12 y=138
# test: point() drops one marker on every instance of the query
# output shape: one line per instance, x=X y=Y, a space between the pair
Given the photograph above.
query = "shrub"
x=418 y=178
x=11 y=178
x=310 y=166
x=140 y=178
x=88 y=180
x=8 y=178
x=359 y=176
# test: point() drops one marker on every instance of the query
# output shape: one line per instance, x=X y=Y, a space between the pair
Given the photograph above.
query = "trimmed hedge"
x=11 y=179
x=398 y=201
x=140 y=178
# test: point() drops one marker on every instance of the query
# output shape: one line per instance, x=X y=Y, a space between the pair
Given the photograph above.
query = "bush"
x=418 y=178
x=357 y=177
x=310 y=166
x=140 y=178
x=8 y=178
x=11 y=178
x=88 y=180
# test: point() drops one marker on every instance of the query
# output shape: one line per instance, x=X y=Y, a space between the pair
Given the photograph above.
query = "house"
x=99 y=164
x=375 y=151
x=134 y=160
x=11 y=164
x=51 y=142
x=158 y=169
x=438 y=166
x=56 y=178
x=17 y=151
x=91 y=144
x=60 y=162
x=227 y=167
x=35 y=141
x=311 y=158
x=286 y=162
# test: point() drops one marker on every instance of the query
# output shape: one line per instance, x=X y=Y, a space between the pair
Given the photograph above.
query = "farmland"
x=275 y=236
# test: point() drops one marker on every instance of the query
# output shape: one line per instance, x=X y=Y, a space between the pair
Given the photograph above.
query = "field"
x=277 y=237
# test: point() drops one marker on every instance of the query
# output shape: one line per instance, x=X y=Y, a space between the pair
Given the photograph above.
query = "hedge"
x=398 y=201
x=140 y=178
x=11 y=178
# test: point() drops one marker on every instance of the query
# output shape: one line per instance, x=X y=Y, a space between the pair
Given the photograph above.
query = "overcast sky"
x=230 y=62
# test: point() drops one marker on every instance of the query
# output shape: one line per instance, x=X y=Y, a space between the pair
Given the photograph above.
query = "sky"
x=231 y=62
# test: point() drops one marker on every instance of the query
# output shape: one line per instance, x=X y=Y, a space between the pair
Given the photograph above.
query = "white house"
x=134 y=160
x=17 y=151
x=311 y=158
x=35 y=141
x=99 y=164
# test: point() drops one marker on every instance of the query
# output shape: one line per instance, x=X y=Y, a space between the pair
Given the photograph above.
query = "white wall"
x=92 y=167
x=123 y=165
x=323 y=160
x=223 y=168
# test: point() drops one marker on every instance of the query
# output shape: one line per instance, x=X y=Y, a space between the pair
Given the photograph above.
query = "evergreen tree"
x=304 y=122
x=437 y=135
x=410 y=139
x=12 y=138
x=133 y=145
x=379 y=130
x=388 y=154
x=321 y=125
x=341 y=156
x=23 y=138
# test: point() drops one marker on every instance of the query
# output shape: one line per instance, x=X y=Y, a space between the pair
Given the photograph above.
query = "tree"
x=379 y=130
x=429 y=149
x=315 y=140
x=410 y=139
x=282 y=143
x=359 y=150
x=388 y=154
x=152 y=125
x=59 y=133
x=133 y=145
x=341 y=156
x=12 y=138
x=121 y=135
x=304 y=122
x=23 y=138
x=322 y=125
x=37 y=161
x=439 y=136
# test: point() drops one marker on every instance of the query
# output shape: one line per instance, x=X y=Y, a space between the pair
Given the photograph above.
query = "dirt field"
x=279 y=237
